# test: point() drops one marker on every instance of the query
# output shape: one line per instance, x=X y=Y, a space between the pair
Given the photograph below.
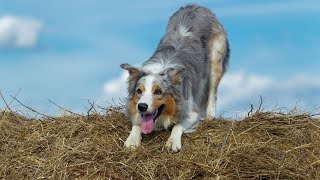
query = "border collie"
x=178 y=85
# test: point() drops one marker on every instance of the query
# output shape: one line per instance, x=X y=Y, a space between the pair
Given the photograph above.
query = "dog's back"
x=195 y=40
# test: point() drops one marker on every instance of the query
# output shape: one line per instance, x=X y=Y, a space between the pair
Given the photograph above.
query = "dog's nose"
x=142 y=107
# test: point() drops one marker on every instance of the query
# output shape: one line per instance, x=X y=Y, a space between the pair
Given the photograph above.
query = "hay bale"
x=262 y=146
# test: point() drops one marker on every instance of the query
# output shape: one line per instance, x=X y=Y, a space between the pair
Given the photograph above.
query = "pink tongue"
x=147 y=124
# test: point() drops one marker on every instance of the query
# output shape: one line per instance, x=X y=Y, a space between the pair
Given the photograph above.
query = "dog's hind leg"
x=219 y=54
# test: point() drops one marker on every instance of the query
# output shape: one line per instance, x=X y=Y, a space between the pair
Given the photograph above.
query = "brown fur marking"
x=216 y=56
x=169 y=102
x=142 y=88
x=155 y=87
x=133 y=104
x=176 y=78
x=134 y=101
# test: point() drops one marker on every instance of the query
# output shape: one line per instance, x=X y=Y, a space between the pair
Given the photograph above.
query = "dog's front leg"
x=134 y=139
x=174 y=142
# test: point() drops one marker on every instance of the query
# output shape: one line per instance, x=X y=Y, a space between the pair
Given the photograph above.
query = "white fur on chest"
x=163 y=122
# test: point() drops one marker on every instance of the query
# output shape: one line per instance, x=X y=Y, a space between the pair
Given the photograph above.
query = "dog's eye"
x=158 y=92
x=139 y=91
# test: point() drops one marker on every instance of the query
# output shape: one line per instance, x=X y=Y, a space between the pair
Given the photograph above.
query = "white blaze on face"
x=147 y=95
x=154 y=68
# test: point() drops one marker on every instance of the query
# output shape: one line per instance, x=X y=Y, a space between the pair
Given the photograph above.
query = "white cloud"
x=238 y=90
x=19 y=32
x=116 y=88
x=237 y=87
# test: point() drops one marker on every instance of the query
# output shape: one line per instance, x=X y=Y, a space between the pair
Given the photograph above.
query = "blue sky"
x=70 y=51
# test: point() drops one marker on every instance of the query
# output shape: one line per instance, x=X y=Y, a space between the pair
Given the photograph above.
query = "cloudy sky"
x=70 y=51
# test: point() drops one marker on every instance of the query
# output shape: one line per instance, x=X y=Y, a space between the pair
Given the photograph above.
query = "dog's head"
x=152 y=95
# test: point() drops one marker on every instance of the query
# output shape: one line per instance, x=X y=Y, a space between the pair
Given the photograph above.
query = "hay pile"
x=262 y=146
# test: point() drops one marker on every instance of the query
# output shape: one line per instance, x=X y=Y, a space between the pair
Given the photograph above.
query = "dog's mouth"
x=154 y=115
x=148 y=120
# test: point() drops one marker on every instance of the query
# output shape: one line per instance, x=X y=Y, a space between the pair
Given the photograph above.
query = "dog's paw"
x=173 y=144
x=133 y=141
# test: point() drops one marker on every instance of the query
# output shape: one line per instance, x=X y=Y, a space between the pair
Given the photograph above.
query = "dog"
x=177 y=86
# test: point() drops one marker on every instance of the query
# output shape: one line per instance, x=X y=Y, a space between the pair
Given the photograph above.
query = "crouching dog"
x=178 y=85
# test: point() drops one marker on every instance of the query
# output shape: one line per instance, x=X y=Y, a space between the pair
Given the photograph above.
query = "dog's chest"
x=163 y=122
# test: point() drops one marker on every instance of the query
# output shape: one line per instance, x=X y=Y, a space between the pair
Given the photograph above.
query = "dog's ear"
x=175 y=73
x=135 y=74
x=133 y=71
